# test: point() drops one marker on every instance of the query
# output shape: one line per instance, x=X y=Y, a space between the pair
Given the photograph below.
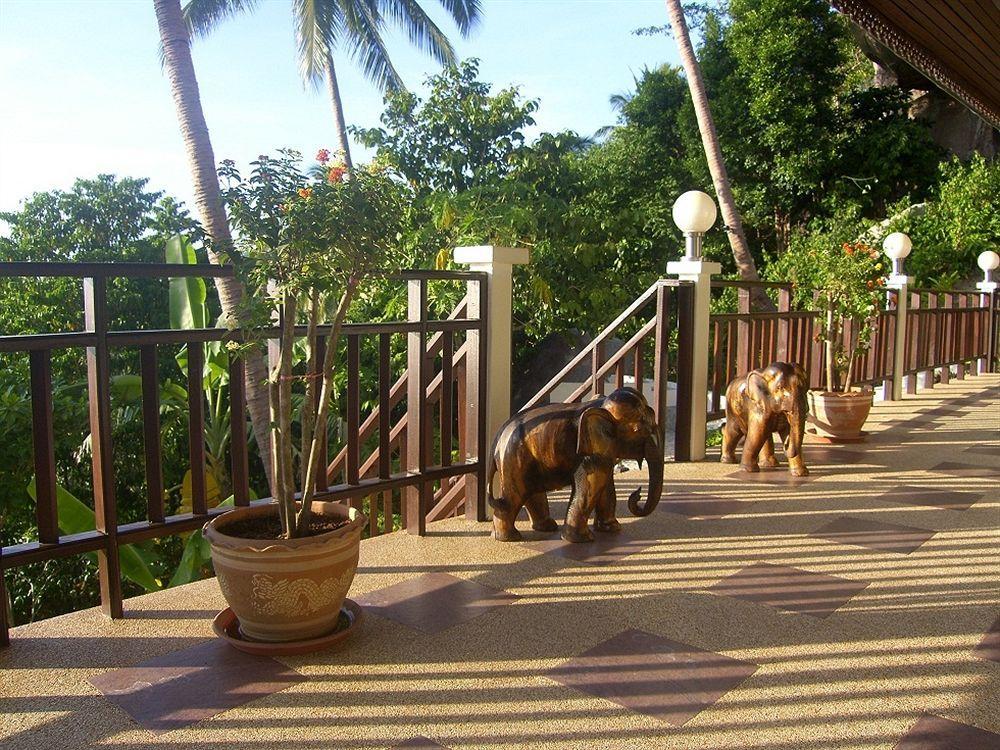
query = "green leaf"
x=76 y=517
x=187 y=295
x=197 y=553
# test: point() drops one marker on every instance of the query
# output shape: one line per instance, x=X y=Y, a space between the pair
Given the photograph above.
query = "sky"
x=83 y=92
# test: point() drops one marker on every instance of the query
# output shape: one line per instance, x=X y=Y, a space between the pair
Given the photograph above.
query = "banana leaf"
x=76 y=517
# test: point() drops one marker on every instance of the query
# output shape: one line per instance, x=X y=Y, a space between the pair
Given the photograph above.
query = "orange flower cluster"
x=336 y=174
x=323 y=155
x=305 y=192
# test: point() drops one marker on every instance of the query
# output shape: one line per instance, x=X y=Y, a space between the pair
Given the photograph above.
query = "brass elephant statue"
x=772 y=399
x=558 y=445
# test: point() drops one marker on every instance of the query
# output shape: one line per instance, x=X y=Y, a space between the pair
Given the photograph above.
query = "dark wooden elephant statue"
x=558 y=445
x=772 y=399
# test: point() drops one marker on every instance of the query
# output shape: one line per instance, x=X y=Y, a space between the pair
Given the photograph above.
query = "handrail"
x=603 y=336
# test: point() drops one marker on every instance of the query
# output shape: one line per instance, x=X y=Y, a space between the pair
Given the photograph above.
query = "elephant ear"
x=759 y=389
x=596 y=434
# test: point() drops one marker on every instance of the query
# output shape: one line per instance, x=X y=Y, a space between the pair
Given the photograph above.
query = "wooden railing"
x=427 y=458
x=673 y=309
x=945 y=329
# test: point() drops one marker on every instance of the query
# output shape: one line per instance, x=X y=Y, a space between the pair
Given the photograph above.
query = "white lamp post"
x=896 y=247
x=694 y=214
x=988 y=261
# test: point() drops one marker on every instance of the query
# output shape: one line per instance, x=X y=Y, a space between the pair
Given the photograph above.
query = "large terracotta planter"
x=286 y=589
x=839 y=415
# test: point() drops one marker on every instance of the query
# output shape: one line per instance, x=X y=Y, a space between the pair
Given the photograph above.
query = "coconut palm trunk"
x=176 y=43
x=339 y=122
x=713 y=153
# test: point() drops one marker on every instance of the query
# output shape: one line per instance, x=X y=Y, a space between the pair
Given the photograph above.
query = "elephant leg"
x=604 y=513
x=538 y=510
x=767 y=457
x=793 y=453
x=587 y=483
x=505 y=512
x=731 y=435
x=756 y=437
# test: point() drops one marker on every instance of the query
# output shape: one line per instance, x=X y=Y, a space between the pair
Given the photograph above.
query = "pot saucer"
x=227 y=627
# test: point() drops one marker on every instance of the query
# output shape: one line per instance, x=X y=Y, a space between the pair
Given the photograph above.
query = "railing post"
x=498 y=265
x=699 y=272
x=929 y=352
x=900 y=285
x=473 y=439
x=987 y=299
x=417 y=496
x=99 y=396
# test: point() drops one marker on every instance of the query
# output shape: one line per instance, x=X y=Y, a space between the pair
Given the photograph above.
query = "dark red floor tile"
x=651 y=675
x=703 y=506
x=986 y=450
x=989 y=647
x=433 y=602
x=935 y=733
x=885 y=537
x=183 y=687
x=790 y=589
x=419 y=743
x=606 y=549
x=976 y=471
x=933 y=497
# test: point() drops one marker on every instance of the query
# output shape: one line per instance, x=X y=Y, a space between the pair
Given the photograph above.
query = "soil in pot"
x=269 y=527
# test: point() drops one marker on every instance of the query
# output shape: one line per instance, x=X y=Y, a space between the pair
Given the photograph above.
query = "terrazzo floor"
x=858 y=608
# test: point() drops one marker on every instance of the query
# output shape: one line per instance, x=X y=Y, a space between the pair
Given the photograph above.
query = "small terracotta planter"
x=839 y=415
x=285 y=590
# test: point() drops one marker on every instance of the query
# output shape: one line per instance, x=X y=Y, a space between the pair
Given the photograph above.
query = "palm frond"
x=466 y=13
x=363 y=26
x=422 y=32
x=318 y=26
x=202 y=16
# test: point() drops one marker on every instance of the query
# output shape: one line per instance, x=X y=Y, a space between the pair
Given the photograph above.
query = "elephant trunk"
x=654 y=461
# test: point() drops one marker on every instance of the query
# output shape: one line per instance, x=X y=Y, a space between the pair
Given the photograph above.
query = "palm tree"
x=716 y=164
x=175 y=42
x=323 y=27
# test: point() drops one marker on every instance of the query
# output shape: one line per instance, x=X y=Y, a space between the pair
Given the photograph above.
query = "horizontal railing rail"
x=426 y=460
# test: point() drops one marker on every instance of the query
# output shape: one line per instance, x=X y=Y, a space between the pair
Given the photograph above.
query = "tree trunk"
x=339 y=124
x=177 y=62
x=713 y=153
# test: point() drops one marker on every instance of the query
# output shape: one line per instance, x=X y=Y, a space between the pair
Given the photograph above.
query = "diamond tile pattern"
x=979 y=471
x=655 y=676
x=934 y=497
x=703 y=506
x=935 y=733
x=862 y=532
x=989 y=647
x=606 y=549
x=180 y=688
x=790 y=589
x=434 y=601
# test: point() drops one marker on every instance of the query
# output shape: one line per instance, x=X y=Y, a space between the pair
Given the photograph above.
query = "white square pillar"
x=700 y=272
x=498 y=263
x=986 y=300
x=900 y=284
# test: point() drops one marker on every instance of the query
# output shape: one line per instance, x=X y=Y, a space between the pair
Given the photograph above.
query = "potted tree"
x=848 y=285
x=305 y=244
